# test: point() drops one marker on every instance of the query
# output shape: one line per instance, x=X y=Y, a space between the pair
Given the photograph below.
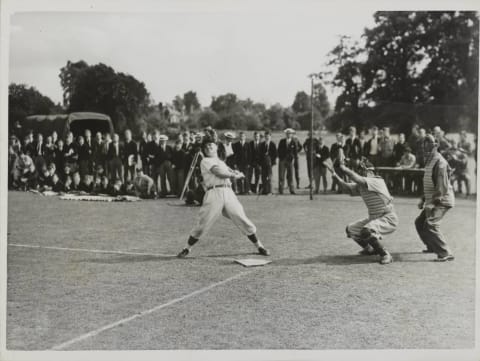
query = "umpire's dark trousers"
x=428 y=229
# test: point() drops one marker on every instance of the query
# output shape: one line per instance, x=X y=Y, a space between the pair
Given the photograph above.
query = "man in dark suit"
x=143 y=152
x=296 y=161
x=268 y=156
x=89 y=147
x=38 y=155
x=115 y=155
x=242 y=153
x=307 y=147
x=98 y=157
x=255 y=167
x=287 y=151
x=130 y=157
x=162 y=162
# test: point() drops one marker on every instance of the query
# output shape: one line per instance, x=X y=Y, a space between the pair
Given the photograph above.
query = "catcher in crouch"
x=220 y=199
x=382 y=218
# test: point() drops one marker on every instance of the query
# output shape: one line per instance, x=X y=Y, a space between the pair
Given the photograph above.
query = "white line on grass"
x=90 y=250
x=146 y=312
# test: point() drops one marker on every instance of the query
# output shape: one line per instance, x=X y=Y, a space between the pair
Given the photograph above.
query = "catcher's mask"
x=366 y=168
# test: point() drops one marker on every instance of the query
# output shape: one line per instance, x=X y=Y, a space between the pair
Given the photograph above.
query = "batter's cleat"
x=184 y=253
x=263 y=251
x=386 y=259
x=448 y=257
x=427 y=251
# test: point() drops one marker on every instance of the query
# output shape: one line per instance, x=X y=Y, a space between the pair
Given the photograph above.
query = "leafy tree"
x=178 y=104
x=410 y=57
x=69 y=75
x=99 y=88
x=24 y=100
x=190 y=102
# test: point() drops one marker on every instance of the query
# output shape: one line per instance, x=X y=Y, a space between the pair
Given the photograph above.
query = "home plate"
x=252 y=262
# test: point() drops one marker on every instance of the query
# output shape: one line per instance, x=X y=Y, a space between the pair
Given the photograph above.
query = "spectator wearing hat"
x=163 y=164
x=241 y=151
x=287 y=150
x=130 y=156
x=268 y=153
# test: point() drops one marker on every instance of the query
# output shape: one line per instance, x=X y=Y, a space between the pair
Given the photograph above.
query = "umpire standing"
x=438 y=198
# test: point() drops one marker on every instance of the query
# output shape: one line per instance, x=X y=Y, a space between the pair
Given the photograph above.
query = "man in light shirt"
x=220 y=199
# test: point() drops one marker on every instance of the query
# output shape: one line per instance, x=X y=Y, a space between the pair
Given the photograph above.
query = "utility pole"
x=312 y=77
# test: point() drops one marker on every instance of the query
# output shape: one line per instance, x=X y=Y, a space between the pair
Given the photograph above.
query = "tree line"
x=410 y=67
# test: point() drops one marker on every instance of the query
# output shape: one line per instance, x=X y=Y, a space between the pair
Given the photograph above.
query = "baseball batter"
x=220 y=199
x=381 y=219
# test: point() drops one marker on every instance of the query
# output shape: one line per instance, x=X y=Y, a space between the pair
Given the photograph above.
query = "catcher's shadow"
x=346 y=260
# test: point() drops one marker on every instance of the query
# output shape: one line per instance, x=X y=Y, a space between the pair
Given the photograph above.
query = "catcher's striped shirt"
x=376 y=196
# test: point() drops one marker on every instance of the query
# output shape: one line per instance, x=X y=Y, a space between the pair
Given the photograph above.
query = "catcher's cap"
x=430 y=138
x=366 y=164
x=289 y=130
x=163 y=137
x=229 y=135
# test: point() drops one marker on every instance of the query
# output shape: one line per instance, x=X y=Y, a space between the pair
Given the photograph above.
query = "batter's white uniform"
x=219 y=199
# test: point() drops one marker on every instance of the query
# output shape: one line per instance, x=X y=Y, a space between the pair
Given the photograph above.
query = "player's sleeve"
x=377 y=185
x=352 y=188
x=207 y=164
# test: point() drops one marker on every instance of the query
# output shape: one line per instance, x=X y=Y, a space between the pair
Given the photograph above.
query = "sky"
x=263 y=54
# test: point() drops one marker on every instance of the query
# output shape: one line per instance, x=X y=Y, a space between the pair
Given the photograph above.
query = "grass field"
x=103 y=276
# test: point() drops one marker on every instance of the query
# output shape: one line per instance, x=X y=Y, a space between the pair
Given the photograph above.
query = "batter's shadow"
x=127 y=259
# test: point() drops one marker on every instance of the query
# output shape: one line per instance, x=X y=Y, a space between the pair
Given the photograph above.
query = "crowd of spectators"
x=155 y=166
